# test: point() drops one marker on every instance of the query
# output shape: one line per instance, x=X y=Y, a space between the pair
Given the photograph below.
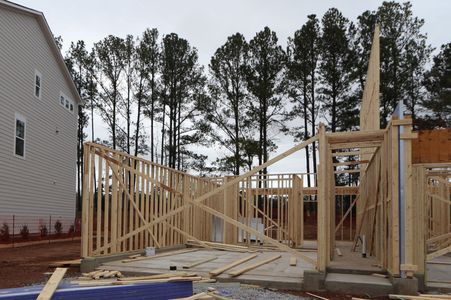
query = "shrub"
x=58 y=227
x=4 y=232
x=24 y=232
x=43 y=229
x=71 y=229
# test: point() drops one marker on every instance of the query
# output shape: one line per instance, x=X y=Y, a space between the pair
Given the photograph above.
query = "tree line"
x=254 y=89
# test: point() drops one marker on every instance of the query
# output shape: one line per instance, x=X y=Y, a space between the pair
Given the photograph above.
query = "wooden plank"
x=85 y=206
x=51 y=285
x=220 y=270
x=322 y=201
x=438 y=253
x=293 y=261
x=253 y=266
x=199 y=262
x=159 y=255
x=348 y=153
x=316 y=296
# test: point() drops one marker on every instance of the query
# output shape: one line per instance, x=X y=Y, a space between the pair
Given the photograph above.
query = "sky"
x=206 y=24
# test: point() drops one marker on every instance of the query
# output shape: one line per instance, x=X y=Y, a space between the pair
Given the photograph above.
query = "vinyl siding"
x=43 y=183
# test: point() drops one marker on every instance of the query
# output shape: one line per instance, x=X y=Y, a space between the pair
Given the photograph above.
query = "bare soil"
x=26 y=265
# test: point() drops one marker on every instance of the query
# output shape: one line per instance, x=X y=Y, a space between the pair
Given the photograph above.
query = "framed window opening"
x=66 y=102
x=37 y=84
x=20 y=124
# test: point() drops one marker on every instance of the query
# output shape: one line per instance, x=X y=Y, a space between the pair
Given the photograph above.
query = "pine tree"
x=110 y=63
x=183 y=85
x=335 y=71
x=265 y=72
x=228 y=106
x=76 y=61
x=301 y=74
x=438 y=85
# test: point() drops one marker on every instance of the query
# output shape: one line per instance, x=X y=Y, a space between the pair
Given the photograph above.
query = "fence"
x=15 y=229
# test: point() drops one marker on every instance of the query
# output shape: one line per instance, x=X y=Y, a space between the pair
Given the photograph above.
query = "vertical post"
x=14 y=224
x=409 y=249
x=50 y=227
x=230 y=209
x=85 y=204
x=322 y=201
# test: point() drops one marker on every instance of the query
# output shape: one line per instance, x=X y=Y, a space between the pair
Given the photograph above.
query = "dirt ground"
x=26 y=265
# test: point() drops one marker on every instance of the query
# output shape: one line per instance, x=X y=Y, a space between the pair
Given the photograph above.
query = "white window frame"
x=67 y=101
x=21 y=118
x=37 y=74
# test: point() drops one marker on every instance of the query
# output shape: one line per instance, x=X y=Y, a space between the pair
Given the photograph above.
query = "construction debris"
x=316 y=296
x=51 y=285
x=218 y=271
x=101 y=274
x=256 y=265
x=220 y=246
x=199 y=262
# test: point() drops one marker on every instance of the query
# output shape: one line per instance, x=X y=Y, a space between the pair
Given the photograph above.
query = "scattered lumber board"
x=52 y=284
x=436 y=296
x=256 y=265
x=171 y=279
x=66 y=263
x=408 y=297
x=220 y=270
x=199 y=262
x=100 y=274
x=200 y=296
x=158 y=276
x=220 y=246
x=159 y=255
x=338 y=251
x=293 y=261
x=439 y=262
x=316 y=296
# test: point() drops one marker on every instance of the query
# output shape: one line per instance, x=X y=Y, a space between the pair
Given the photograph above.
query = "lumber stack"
x=106 y=277
x=100 y=274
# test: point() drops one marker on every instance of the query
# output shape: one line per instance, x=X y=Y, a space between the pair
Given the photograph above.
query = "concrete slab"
x=277 y=274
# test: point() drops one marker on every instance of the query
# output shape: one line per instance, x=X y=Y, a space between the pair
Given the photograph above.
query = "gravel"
x=243 y=292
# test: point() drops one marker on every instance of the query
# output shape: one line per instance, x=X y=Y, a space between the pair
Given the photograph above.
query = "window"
x=37 y=84
x=19 y=138
x=66 y=103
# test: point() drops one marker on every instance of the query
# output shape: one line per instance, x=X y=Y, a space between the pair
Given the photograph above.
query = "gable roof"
x=49 y=37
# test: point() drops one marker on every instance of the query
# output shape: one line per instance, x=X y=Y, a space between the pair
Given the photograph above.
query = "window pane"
x=37 y=91
x=20 y=147
x=67 y=104
x=38 y=81
x=71 y=107
x=62 y=100
x=20 y=129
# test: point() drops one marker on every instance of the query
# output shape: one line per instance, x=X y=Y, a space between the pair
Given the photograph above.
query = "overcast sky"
x=206 y=24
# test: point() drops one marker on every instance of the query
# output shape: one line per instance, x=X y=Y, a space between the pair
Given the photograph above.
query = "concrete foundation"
x=405 y=286
x=314 y=280
x=89 y=264
x=421 y=282
x=368 y=285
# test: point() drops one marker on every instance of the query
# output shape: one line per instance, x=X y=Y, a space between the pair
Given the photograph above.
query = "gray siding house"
x=38 y=122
